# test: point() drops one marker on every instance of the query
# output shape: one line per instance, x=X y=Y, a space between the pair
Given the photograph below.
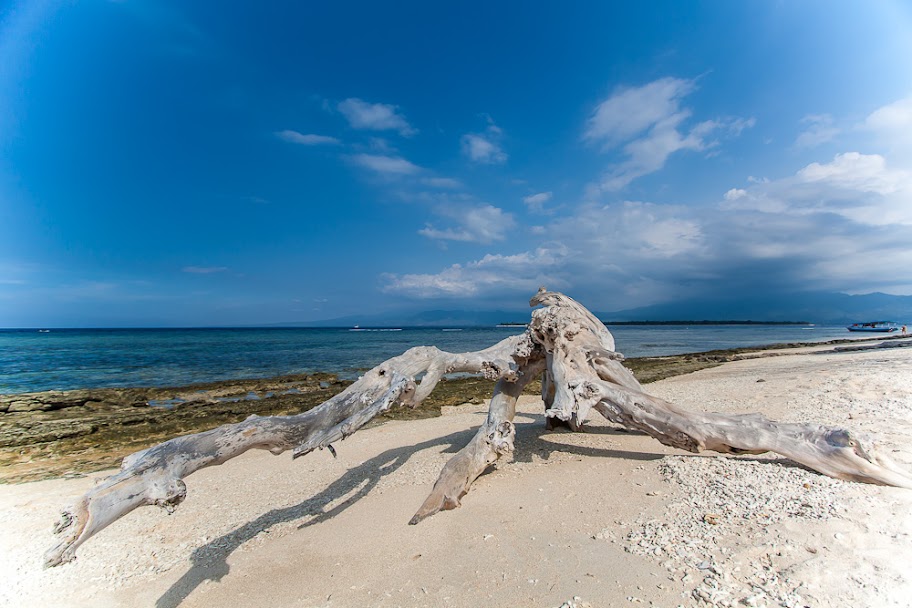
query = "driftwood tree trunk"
x=581 y=371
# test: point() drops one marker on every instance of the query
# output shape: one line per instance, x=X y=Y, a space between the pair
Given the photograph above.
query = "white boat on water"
x=875 y=326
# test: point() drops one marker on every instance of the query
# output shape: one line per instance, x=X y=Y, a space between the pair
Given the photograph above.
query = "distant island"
x=706 y=322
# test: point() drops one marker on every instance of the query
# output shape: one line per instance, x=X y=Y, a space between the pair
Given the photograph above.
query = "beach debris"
x=575 y=602
x=564 y=344
x=708 y=559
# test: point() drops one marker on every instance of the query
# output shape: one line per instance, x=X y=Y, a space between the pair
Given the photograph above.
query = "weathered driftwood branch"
x=581 y=371
x=155 y=476
x=493 y=440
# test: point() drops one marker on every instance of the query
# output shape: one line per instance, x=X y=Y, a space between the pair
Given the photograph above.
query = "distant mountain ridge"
x=813 y=307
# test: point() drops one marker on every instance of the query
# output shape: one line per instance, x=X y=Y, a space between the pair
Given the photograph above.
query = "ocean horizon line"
x=503 y=325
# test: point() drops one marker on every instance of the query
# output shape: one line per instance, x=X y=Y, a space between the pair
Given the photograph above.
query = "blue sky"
x=195 y=163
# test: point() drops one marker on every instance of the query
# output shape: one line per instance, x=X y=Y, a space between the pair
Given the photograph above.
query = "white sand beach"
x=609 y=517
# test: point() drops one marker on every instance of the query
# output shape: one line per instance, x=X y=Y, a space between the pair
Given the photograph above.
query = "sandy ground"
x=608 y=517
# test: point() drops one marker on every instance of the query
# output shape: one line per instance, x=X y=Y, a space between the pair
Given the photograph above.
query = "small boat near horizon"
x=874 y=326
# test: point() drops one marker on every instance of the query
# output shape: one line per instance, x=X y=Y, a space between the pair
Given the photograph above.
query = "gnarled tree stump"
x=581 y=371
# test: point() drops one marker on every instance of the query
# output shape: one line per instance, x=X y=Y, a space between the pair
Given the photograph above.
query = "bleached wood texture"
x=155 y=476
x=581 y=372
x=587 y=375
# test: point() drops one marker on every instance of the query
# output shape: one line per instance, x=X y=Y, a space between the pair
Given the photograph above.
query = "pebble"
x=576 y=602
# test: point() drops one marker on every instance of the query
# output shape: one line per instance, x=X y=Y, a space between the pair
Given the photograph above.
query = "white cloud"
x=836 y=225
x=482 y=150
x=650 y=119
x=536 y=202
x=446 y=183
x=204 y=269
x=617 y=251
x=736 y=126
x=631 y=110
x=632 y=230
x=894 y=116
x=494 y=273
x=379 y=145
x=374 y=116
x=839 y=225
x=891 y=128
x=449 y=282
x=481 y=224
x=307 y=140
x=389 y=165
x=858 y=187
x=734 y=194
x=820 y=130
x=440 y=199
x=855 y=171
x=485 y=147
x=648 y=154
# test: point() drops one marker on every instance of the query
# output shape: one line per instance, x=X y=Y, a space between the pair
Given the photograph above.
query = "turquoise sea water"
x=62 y=359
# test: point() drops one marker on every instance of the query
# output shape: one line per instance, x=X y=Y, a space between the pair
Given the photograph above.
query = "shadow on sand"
x=209 y=562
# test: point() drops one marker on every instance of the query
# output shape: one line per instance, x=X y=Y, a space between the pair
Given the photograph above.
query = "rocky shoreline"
x=65 y=433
